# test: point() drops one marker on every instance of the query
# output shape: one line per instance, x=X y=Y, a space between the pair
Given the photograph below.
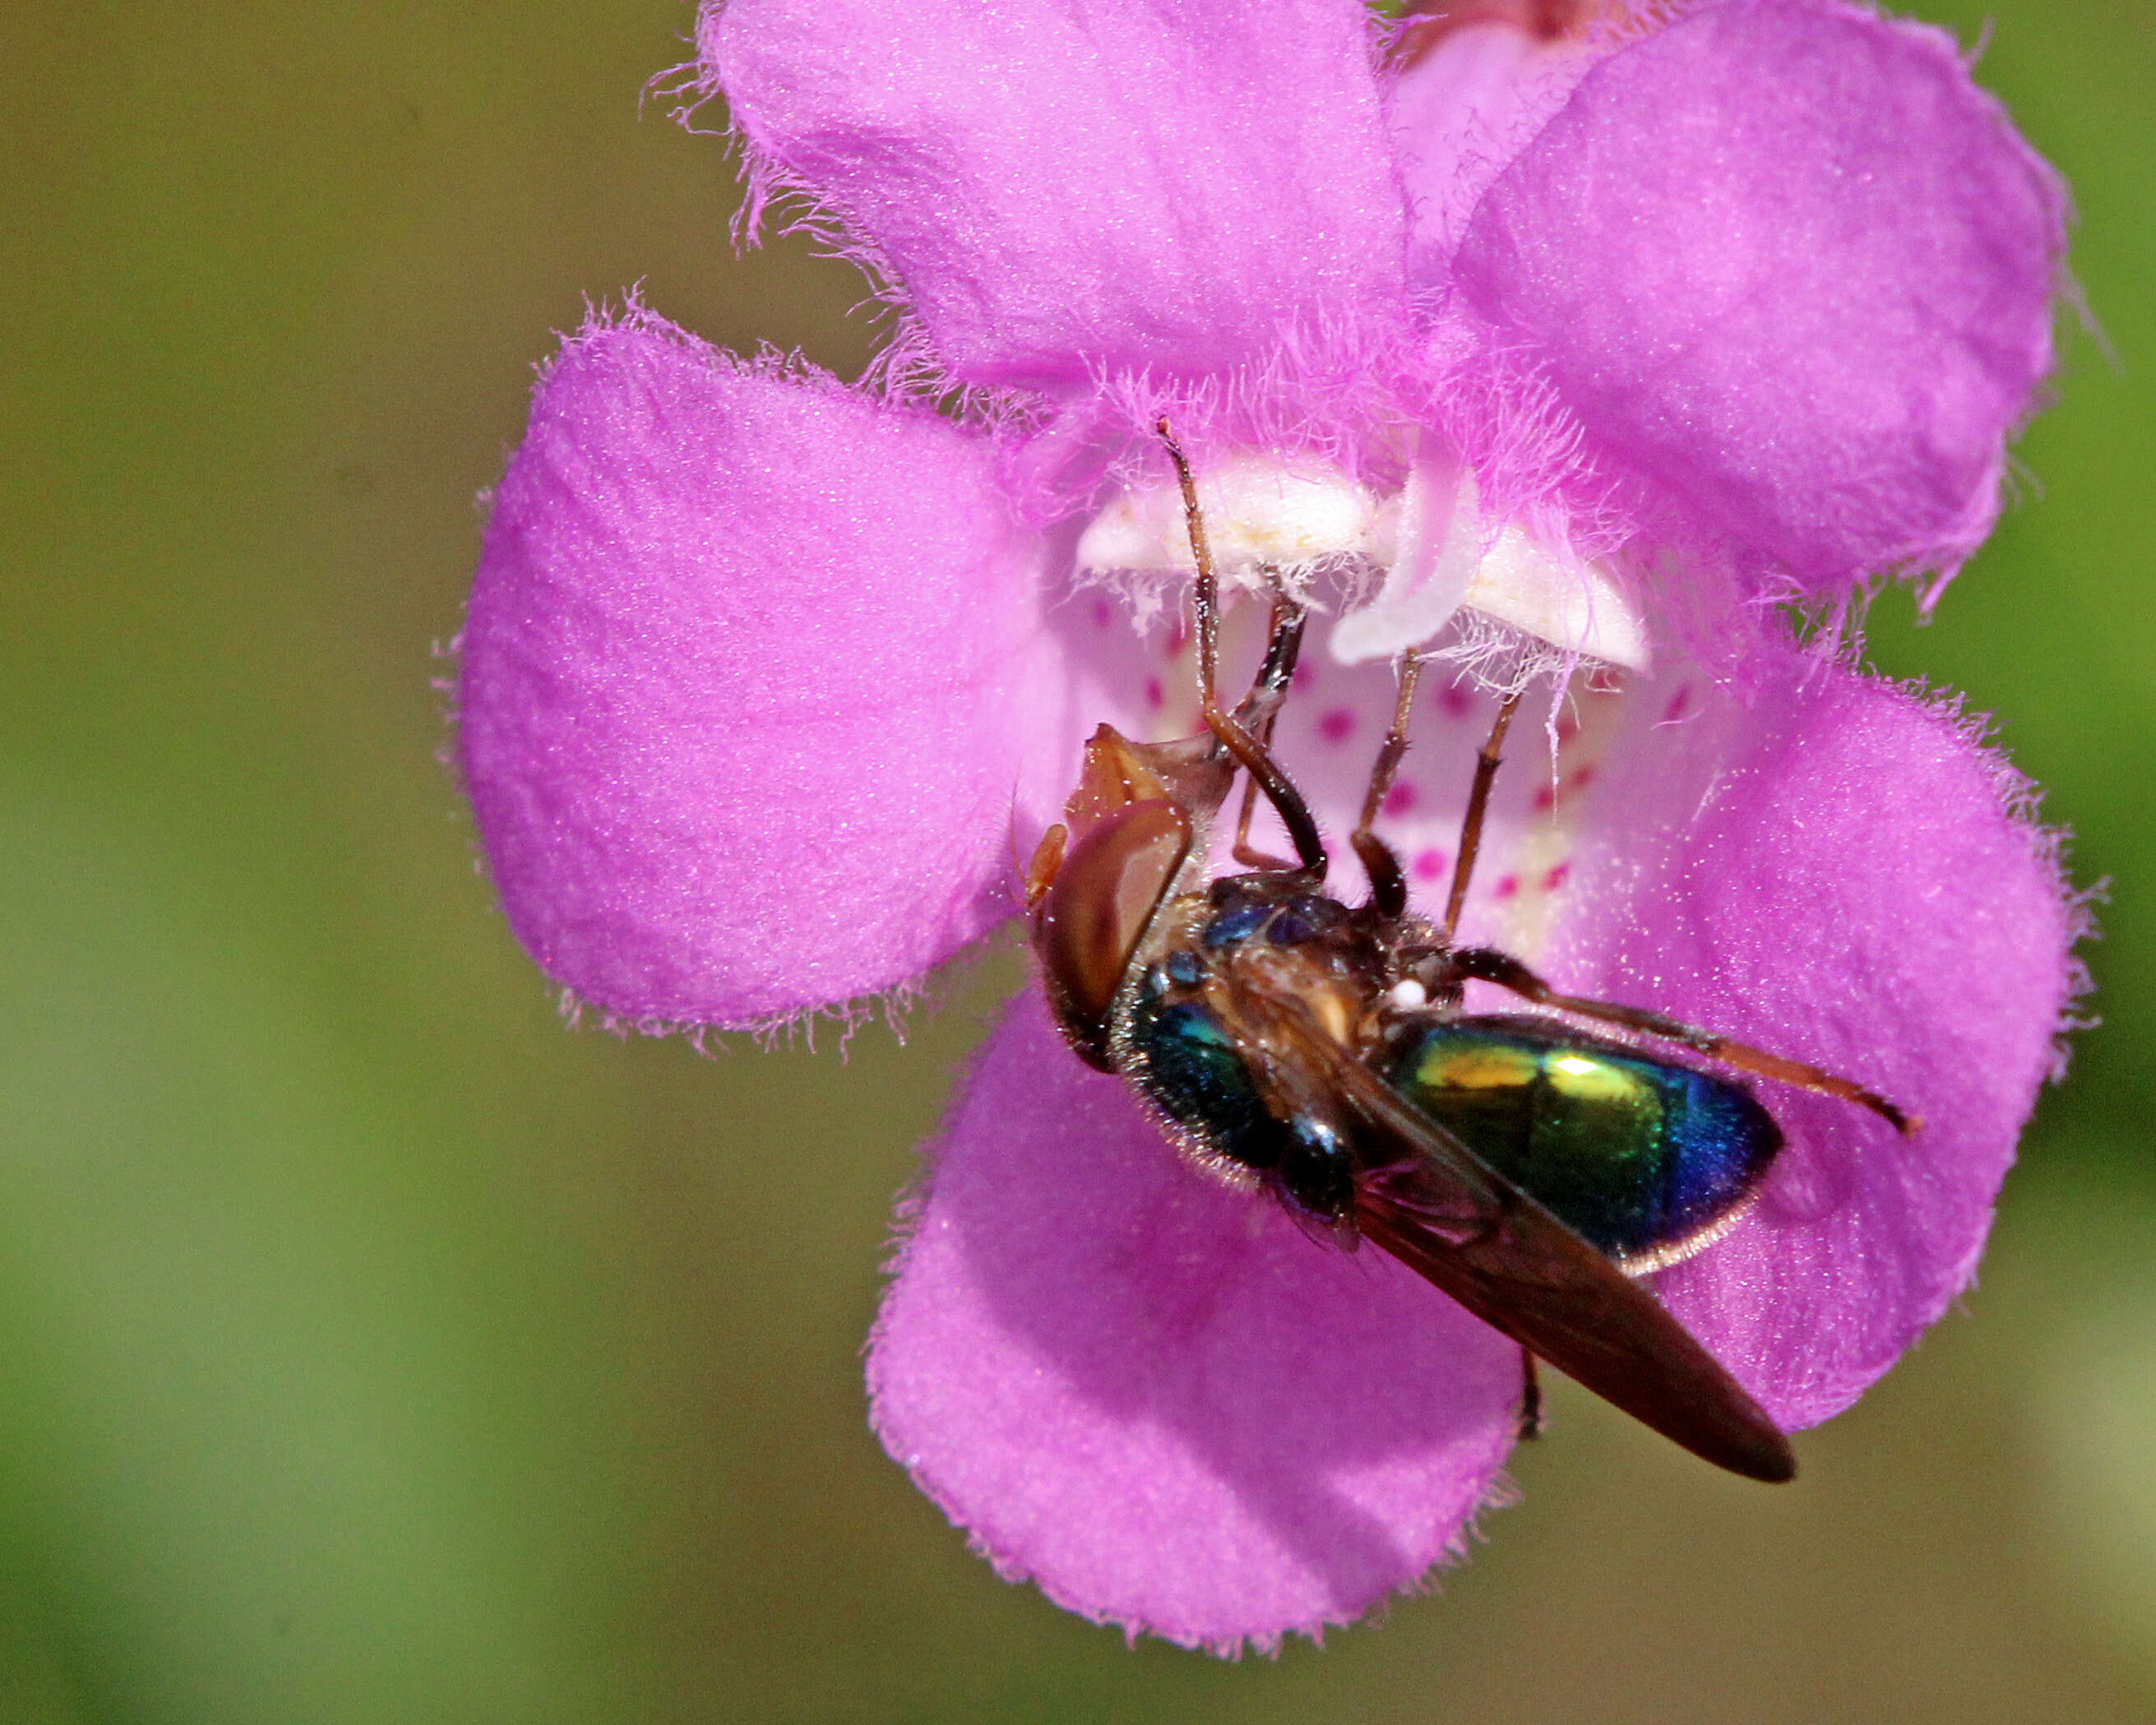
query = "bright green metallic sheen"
x=1642 y=1157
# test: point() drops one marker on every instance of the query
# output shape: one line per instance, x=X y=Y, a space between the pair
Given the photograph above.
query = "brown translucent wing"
x=1437 y=1207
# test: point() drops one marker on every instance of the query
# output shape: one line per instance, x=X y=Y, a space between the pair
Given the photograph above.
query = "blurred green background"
x=372 y=1349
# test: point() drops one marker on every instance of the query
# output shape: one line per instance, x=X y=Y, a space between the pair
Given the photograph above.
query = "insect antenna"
x=1478 y=807
x=1389 y=887
x=1253 y=755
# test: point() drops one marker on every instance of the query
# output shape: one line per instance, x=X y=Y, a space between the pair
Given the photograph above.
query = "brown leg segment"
x=1243 y=851
x=1389 y=887
x=1253 y=755
x=1531 y=1398
x=1283 y=649
x=1478 y=807
x=1258 y=710
x=1508 y=972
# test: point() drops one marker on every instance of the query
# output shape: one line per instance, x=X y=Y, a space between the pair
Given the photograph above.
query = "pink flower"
x=1607 y=340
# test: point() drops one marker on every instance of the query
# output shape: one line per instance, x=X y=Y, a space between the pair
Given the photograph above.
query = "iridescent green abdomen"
x=1640 y=1156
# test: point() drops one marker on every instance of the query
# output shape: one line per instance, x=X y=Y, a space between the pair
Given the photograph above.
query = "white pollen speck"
x=1409 y=995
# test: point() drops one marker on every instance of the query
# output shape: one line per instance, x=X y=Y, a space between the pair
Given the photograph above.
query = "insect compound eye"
x=1315 y=1169
x=1095 y=913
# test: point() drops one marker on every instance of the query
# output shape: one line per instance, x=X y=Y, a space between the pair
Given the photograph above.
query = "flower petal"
x=1839 y=873
x=1154 y=1396
x=1103 y=183
x=748 y=668
x=1788 y=260
x=1462 y=107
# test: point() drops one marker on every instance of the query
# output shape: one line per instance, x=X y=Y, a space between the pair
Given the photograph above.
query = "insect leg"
x=1478 y=807
x=1389 y=887
x=1283 y=649
x=1530 y=1398
x=1508 y=972
x=1244 y=852
x=1260 y=708
x=1253 y=755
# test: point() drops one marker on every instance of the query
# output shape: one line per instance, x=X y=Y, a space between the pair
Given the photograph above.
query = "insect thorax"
x=1198 y=1025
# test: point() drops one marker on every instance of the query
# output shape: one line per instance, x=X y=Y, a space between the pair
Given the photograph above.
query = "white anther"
x=1438 y=550
x=1570 y=603
x=1441 y=554
x=1260 y=512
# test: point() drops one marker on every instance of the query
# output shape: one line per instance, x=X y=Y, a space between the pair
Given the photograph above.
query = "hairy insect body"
x=1647 y=1159
x=1196 y=1032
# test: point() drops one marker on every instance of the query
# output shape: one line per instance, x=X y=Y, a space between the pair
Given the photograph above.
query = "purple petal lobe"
x=1155 y=1396
x=1060 y=183
x=1464 y=109
x=1787 y=260
x=748 y=662
x=1836 y=872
